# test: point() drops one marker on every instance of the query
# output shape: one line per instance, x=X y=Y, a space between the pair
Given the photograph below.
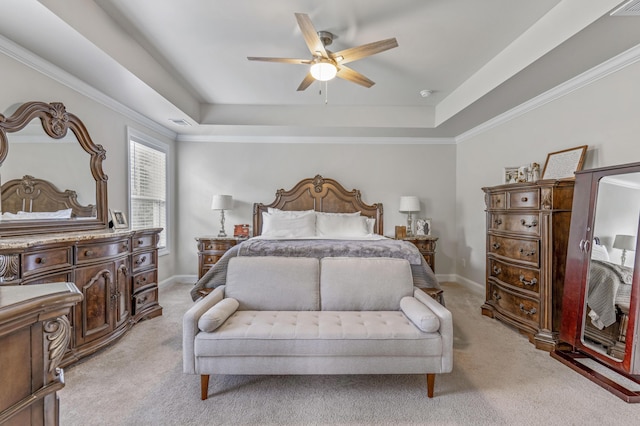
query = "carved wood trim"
x=56 y=121
x=323 y=195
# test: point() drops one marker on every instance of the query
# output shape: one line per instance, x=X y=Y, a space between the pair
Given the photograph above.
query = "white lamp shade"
x=625 y=242
x=323 y=70
x=409 y=203
x=222 y=202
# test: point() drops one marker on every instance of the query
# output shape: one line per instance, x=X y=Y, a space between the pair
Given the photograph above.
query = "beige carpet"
x=498 y=379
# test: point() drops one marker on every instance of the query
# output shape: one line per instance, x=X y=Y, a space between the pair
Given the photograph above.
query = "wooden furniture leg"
x=431 y=382
x=204 y=386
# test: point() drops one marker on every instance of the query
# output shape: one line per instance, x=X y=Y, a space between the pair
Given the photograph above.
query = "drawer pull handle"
x=142 y=300
x=141 y=280
x=125 y=246
x=497 y=221
x=141 y=260
x=529 y=312
x=525 y=282
x=496 y=296
x=88 y=253
x=41 y=260
x=209 y=246
x=495 y=246
x=527 y=253
x=524 y=199
x=496 y=270
x=533 y=223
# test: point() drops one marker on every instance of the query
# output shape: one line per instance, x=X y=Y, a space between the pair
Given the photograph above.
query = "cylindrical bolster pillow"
x=419 y=314
x=217 y=314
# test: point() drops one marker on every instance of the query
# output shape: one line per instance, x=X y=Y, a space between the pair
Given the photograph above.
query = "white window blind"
x=148 y=186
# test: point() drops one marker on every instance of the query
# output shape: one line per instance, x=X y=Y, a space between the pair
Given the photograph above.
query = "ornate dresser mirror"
x=53 y=175
x=600 y=303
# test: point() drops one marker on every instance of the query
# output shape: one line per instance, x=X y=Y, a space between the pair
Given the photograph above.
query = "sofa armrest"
x=190 y=327
x=446 y=327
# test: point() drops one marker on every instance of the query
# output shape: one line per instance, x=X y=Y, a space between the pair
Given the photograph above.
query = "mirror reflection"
x=62 y=162
x=610 y=274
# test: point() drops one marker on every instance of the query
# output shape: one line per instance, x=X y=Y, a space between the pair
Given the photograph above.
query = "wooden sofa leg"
x=431 y=382
x=204 y=386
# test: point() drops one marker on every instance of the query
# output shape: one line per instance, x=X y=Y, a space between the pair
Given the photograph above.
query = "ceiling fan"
x=325 y=64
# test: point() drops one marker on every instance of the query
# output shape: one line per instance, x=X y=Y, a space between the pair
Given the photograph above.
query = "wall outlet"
x=463 y=261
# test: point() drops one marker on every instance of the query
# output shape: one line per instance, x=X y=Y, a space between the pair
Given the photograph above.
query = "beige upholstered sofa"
x=291 y=315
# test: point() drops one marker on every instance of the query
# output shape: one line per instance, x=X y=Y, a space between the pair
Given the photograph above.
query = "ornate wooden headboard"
x=37 y=195
x=323 y=195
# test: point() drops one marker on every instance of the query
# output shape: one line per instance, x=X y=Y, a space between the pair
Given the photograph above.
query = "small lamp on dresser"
x=624 y=243
x=409 y=204
x=222 y=203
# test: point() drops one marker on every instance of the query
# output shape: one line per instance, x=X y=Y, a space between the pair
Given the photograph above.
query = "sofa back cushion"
x=274 y=283
x=364 y=284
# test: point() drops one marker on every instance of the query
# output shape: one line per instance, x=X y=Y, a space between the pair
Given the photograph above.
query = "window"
x=148 y=184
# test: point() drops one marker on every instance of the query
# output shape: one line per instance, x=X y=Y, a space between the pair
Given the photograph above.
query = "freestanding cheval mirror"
x=602 y=287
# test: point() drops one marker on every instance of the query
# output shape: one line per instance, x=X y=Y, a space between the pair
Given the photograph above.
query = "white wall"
x=105 y=126
x=602 y=115
x=252 y=172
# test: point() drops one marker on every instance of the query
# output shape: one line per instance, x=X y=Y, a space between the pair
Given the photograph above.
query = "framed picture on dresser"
x=119 y=219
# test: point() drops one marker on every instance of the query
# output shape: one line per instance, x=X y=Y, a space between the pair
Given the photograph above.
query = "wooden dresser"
x=211 y=249
x=427 y=246
x=527 y=235
x=115 y=271
x=34 y=330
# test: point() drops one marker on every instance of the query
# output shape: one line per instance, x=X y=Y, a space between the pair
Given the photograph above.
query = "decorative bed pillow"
x=284 y=226
x=341 y=226
x=217 y=314
x=419 y=314
x=290 y=213
x=599 y=252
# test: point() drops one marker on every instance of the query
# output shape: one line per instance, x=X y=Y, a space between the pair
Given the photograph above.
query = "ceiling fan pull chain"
x=326 y=92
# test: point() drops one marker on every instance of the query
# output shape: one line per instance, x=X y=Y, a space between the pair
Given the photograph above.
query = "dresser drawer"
x=524 y=278
x=526 y=199
x=497 y=201
x=143 y=260
x=46 y=260
x=144 y=279
x=145 y=299
x=516 y=305
x=208 y=260
x=216 y=245
x=526 y=224
x=139 y=242
x=92 y=252
x=517 y=249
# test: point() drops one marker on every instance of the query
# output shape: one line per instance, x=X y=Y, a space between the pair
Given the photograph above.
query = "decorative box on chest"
x=527 y=234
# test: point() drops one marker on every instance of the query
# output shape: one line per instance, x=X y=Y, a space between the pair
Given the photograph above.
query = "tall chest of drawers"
x=527 y=235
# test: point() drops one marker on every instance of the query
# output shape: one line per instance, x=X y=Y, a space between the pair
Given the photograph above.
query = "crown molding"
x=35 y=62
x=342 y=140
x=588 y=77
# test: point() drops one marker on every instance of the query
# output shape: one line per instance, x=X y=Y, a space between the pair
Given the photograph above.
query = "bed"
x=608 y=301
x=31 y=198
x=319 y=218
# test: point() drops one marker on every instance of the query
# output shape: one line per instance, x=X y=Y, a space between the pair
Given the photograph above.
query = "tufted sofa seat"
x=280 y=315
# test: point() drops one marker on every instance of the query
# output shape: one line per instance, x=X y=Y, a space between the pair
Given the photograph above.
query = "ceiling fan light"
x=323 y=70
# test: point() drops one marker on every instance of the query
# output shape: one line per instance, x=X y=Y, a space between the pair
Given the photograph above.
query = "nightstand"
x=427 y=246
x=211 y=249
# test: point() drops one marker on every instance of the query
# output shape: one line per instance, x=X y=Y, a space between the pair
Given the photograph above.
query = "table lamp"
x=222 y=203
x=409 y=204
x=624 y=243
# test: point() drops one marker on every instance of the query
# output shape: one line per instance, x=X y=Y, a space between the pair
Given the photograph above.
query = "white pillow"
x=338 y=214
x=285 y=226
x=217 y=314
x=419 y=314
x=599 y=252
x=371 y=223
x=341 y=226
x=290 y=213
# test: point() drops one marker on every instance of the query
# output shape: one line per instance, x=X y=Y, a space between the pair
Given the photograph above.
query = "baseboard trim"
x=189 y=279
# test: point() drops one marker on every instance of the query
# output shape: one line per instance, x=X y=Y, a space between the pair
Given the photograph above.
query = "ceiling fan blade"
x=308 y=79
x=311 y=35
x=353 y=76
x=284 y=60
x=359 y=52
